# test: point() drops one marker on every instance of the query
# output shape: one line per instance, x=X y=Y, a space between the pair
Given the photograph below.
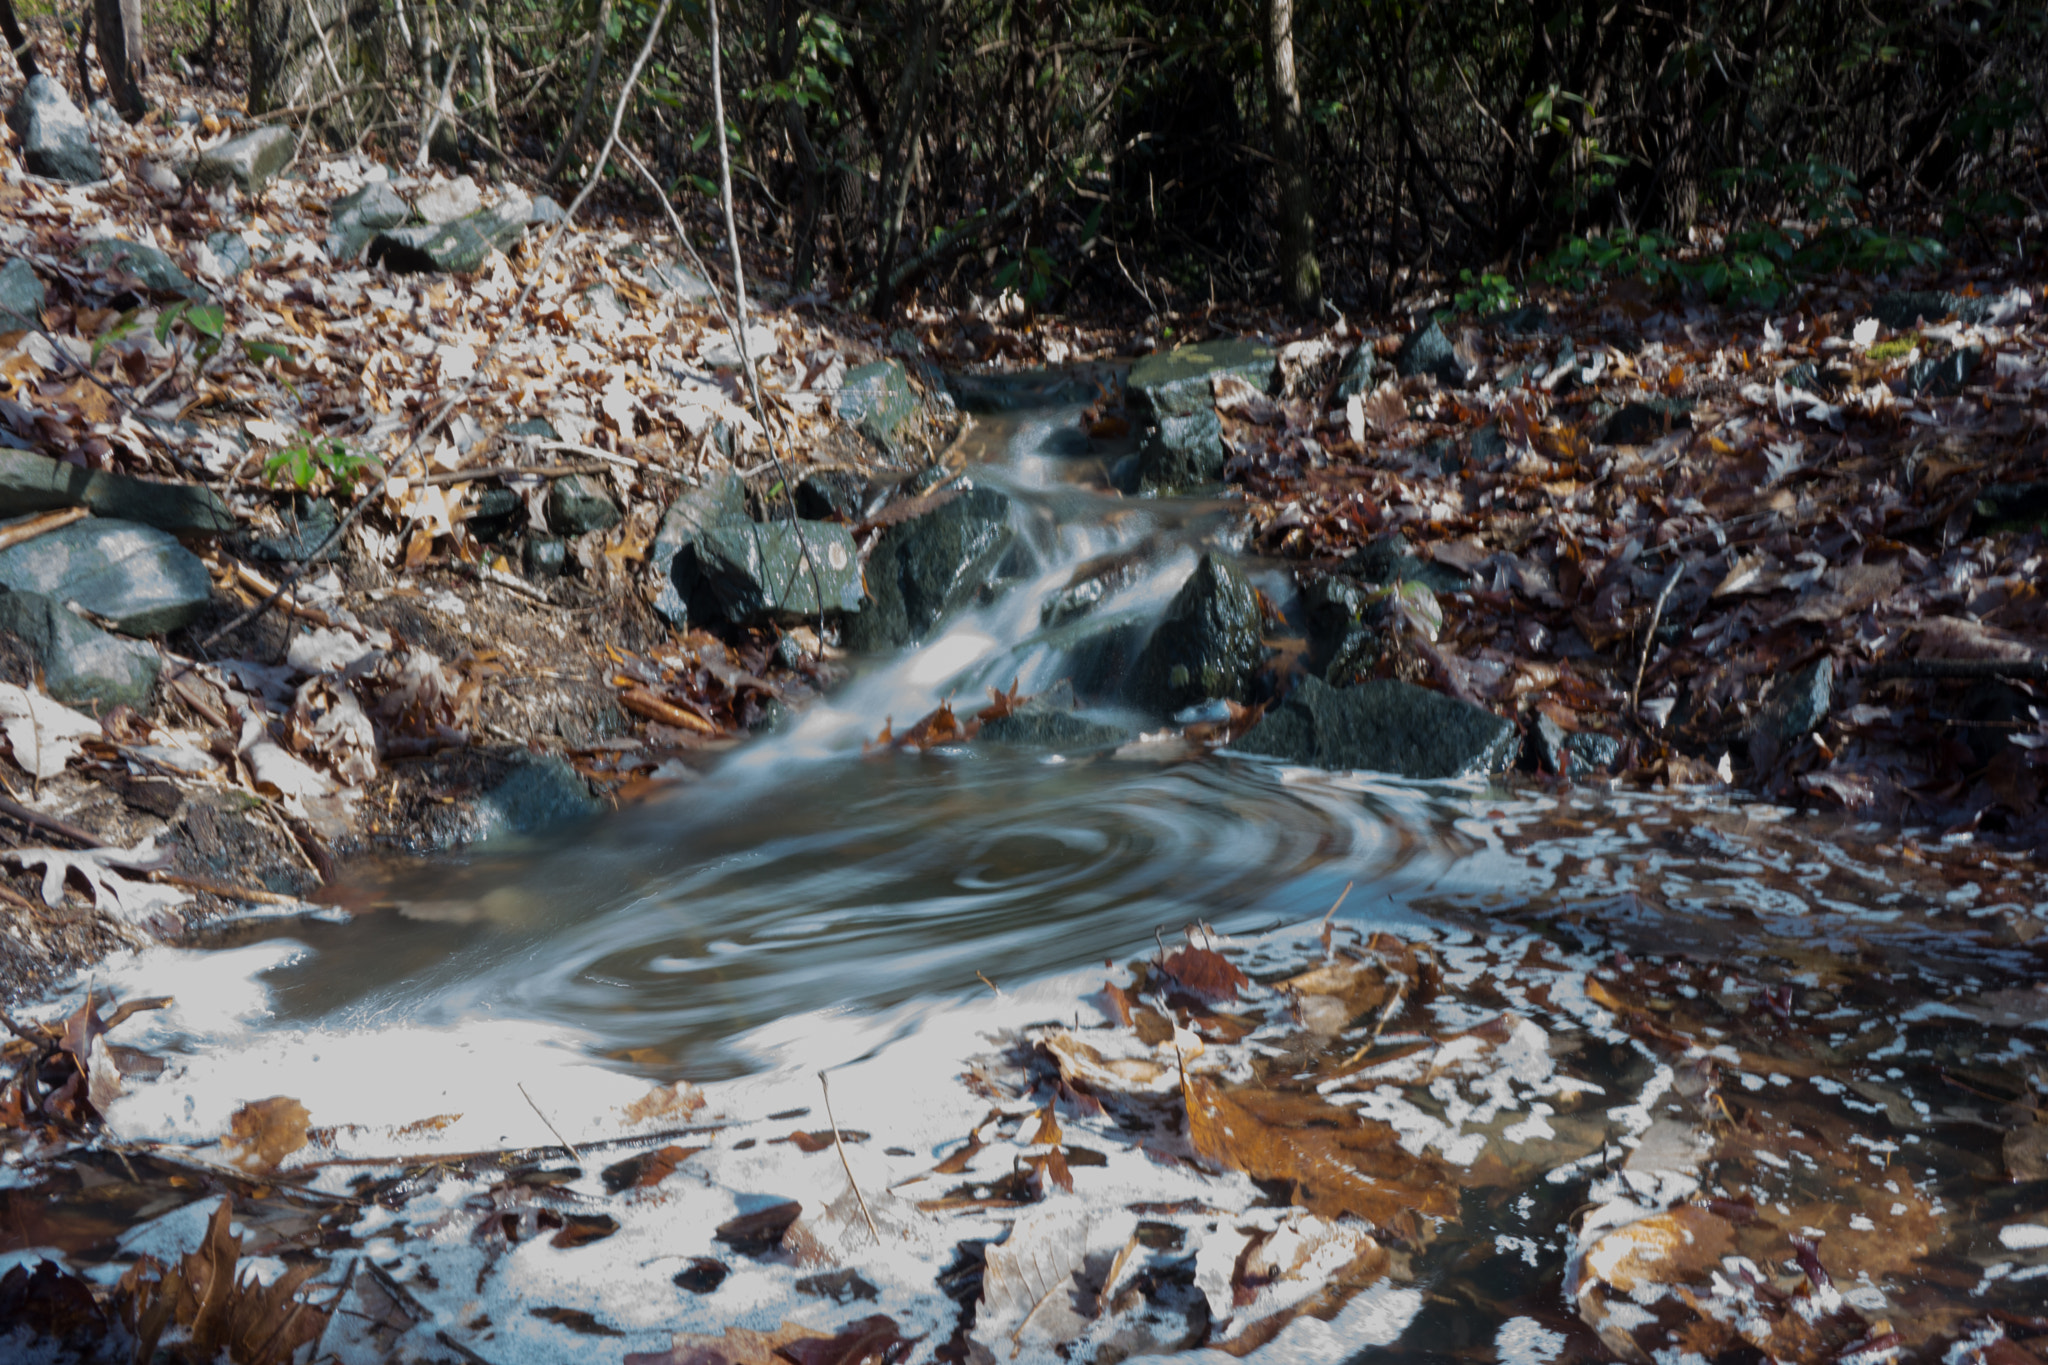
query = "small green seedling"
x=312 y=459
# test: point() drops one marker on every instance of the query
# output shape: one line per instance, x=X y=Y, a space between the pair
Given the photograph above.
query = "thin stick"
x=41 y=526
x=434 y=116
x=1650 y=635
x=567 y=1146
x=825 y=1086
x=461 y=395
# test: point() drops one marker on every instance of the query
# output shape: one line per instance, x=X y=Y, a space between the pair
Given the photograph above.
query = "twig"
x=461 y=395
x=567 y=1146
x=225 y=892
x=599 y=453
x=41 y=526
x=292 y=607
x=517 y=586
x=50 y=824
x=841 y=1146
x=1650 y=634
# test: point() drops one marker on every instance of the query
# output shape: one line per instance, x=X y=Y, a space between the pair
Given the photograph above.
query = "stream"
x=808 y=903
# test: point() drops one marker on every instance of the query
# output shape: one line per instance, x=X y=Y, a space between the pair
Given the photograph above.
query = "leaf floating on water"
x=262 y=1133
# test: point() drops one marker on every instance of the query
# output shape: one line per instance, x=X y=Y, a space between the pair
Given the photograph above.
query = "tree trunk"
x=119 y=26
x=287 y=64
x=24 y=51
x=1300 y=277
x=810 y=173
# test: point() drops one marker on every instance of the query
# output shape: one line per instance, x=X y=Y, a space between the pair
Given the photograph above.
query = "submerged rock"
x=876 y=399
x=537 y=792
x=1428 y=351
x=924 y=569
x=1384 y=726
x=82 y=665
x=21 y=297
x=159 y=273
x=135 y=576
x=56 y=139
x=1207 y=646
x=246 y=161
x=37 y=483
x=751 y=573
x=721 y=500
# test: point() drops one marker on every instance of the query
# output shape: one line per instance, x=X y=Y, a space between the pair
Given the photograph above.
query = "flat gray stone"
x=539 y=793
x=82 y=665
x=248 y=160
x=354 y=219
x=1428 y=351
x=460 y=247
x=56 y=139
x=37 y=483
x=21 y=297
x=1384 y=726
x=1182 y=452
x=748 y=573
x=720 y=501
x=158 y=273
x=876 y=399
x=137 y=577
x=449 y=200
x=1177 y=383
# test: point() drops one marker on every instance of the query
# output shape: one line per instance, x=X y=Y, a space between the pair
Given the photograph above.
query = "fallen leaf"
x=1029 y=1287
x=874 y=1338
x=737 y=1346
x=43 y=734
x=1205 y=973
x=262 y=1133
x=133 y=900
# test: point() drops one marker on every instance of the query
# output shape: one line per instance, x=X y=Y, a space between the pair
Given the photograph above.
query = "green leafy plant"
x=1484 y=294
x=313 y=459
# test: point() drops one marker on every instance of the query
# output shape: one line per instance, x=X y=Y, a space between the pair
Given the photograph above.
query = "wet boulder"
x=56 y=139
x=1207 y=647
x=136 y=577
x=353 y=220
x=1100 y=656
x=749 y=573
x=720 y=501
x=922 y=570
x=1046 y=728
x=1794 y=710
x=1180 y=382
x=1573 y=754
x=460 y=247
x=1428 y=351
x=158 y=273
x=21 y=297
x=1181 y=452
x=247 y=160
x=82 y=665
x=37 y=483
x=876 y=399
x=577 y=506
x=1343 y=623
x=1384 y=726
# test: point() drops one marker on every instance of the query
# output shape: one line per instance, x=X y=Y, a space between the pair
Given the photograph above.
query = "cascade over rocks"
x=1384 y=726
x=922 y=570
x=1207 y=646
x=56 y=140
x=137 y=577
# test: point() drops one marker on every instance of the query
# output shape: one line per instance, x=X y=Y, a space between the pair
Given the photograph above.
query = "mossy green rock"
x=37 y=483
x=1384 y=726
x=721 y=501
x=137 y=577
x=355 y=219
x=877 y=399
x=82 y=665
x=1206 y=647
x=924 y=569
x=1178 y=382
x=576 y=506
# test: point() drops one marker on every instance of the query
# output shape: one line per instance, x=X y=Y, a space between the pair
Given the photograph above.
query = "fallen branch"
x=49 y=824
x=41 y=526
x=506 y=471
x=646 y=705
x=224 y=891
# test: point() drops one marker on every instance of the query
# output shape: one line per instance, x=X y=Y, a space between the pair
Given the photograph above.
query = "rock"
x=1907 y=309
x=922 y=570
x=1207 y=645
x=306 y=529
x=1356 y=376
x=247 y=160
x=1489 y=444
x=37 y=483
x=576 y=506
x=1384 y=726
x=539 y=793
x=532 y=429
x=230 y=251
x=1100 y=656
x=672 y=279
x=1178 y=382
x=1046 y=727
x=1428 y=351
x=2010 y=507
x=1015 y=390
x=1573 y=755
x=1642 y=421
x=1526 y=321
x=1944 y=376
x=137 y=577
x=544 y=556
x=355 y=219
x=543 y=211
x=831 y=494
x=448 y=200
x=460 y=247
x=21 y=297
x=750 y=573
x=56 y=140
x=722 y=500
x=1183 y=451
x=1342 y=623
x=82 y=664
x=1387 y=560
x=103 y=109
x=495 y=514
x=158 y=273
x=876 y=399
x=1795 y=709
x=160 y=177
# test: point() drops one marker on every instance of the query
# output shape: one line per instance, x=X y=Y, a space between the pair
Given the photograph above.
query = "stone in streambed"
x=82 y=665
x=576 y=506
x=1573 y=754
x=1384 y=726
x=751 y=573
x=56 y=140
x=876 y=399
x=37 y=483
x=1179 y=382
x=21 y=297
x=922 y=570
x=1181 y=452
x=721 y=501
x=1428 y=351
x=1207 y=646
x=137 y=577
x=1046 y=727
x=247 y=160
